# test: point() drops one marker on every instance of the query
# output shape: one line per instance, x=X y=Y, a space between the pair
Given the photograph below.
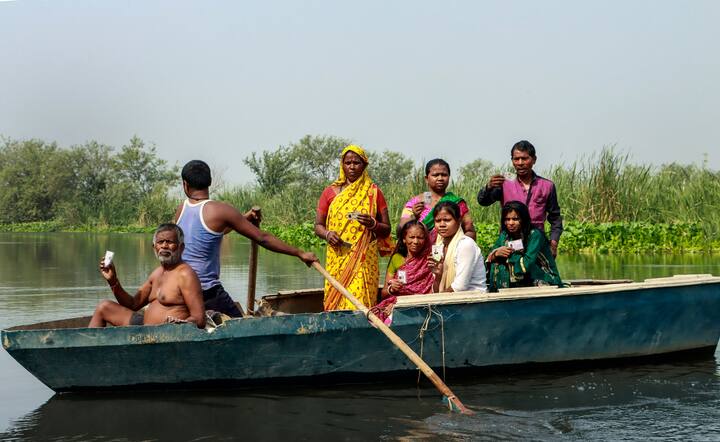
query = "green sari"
x=533 y=266
x=429 y=220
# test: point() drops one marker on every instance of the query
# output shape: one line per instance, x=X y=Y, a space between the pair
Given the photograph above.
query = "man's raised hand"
x=107 y=272
x=495 y=181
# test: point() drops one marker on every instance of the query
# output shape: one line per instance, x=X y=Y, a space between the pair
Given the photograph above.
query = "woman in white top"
x=460 y=266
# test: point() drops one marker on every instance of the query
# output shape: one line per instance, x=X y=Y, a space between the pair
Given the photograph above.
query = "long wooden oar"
x=252 y=271
x=395 y=339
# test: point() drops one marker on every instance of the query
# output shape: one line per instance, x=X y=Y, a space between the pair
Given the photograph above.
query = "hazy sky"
x=461 y=80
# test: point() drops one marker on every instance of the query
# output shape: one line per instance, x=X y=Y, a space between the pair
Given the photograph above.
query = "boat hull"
x=548 y=327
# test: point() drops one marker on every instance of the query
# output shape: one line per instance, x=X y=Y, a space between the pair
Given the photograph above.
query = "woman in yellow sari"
x=352 y=217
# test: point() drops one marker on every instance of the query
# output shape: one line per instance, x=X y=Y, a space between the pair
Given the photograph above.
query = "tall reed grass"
x=607 y=202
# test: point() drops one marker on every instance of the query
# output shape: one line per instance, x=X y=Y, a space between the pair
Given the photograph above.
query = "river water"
x=54 y=276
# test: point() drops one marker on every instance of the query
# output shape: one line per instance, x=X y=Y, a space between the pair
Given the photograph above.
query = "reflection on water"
x=636 y=267
x=670 y=401
x=52 y=276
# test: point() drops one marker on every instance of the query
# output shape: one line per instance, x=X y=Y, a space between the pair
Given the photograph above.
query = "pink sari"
x=419 y=276
x=426 y=215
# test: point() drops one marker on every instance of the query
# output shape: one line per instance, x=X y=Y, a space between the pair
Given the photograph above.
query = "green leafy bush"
x=609 y=204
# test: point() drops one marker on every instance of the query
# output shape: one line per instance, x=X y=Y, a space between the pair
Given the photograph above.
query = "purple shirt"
x=540 y=198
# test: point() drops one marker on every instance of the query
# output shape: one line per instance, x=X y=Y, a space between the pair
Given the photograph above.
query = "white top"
x=469 y=267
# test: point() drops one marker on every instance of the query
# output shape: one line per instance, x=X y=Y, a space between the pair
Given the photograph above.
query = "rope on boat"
x=421 y=336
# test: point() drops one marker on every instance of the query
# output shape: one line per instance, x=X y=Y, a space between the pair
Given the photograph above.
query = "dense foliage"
x=87 y=185
x=609 y=204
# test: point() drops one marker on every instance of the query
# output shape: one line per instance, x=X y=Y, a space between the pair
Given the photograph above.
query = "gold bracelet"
x=374 y=225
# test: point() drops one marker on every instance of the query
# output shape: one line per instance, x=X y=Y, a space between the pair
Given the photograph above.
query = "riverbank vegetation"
x=609 y=203
x=90 y=186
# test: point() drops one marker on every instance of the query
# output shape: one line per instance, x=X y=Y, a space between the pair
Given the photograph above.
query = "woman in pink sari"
x=408 y=272
x=437 y=177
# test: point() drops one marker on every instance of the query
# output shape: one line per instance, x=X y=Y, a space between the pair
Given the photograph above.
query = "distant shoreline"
x=578 y=237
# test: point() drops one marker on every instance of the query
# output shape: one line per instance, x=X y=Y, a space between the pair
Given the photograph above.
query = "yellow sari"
x=355 y=264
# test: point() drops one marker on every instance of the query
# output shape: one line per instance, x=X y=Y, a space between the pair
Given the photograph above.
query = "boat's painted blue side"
x=633 y=322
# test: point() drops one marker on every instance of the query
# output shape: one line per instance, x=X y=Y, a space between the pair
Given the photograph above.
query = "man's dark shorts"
x=137 y=318
x=216 y=298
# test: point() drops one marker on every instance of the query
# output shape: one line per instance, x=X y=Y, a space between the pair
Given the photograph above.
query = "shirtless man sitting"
x=172 y=290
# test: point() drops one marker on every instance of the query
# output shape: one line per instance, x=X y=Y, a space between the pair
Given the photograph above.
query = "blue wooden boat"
x=464 y=330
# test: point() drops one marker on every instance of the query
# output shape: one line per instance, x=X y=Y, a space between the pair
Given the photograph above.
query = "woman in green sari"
x=419 y=207
x=521 y=256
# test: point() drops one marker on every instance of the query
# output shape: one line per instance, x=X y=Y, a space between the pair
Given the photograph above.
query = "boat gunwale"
x=29 y=345
x=415 y=301
x=166 y=333
x=474 y=297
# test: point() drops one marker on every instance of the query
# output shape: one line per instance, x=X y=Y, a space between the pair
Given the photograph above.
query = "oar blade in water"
x=454 y=405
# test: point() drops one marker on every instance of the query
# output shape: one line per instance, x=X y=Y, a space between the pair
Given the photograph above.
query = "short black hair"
x=197 y=174
x=450 y=207
x=436 y=162
x=523 y=146
x=170 y=227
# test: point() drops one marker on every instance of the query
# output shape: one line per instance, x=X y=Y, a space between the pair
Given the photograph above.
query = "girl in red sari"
x=408 y=272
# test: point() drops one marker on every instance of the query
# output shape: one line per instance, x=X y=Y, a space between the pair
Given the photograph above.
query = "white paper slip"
x=437 y=252
x=402 y=276
x=108 y=258
x=516 y=245
x=427 y=198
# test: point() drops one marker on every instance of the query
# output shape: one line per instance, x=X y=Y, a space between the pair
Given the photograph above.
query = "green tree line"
x=608 y=202
x=91 y=185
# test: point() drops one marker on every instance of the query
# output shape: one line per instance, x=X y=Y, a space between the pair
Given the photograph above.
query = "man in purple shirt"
x=536 y=192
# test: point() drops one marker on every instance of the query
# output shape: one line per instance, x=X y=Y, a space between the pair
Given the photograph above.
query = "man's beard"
x=171 y=260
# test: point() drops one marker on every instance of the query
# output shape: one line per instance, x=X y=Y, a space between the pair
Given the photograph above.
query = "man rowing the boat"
x=172 y=291
x=205 y=222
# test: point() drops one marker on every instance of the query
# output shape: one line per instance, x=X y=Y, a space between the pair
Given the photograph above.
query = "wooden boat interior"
x=80 y=322
x=311 y=300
